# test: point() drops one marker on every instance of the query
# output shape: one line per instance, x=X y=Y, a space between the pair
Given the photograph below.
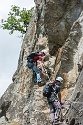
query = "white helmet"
x=44 y=51
x=60 y=79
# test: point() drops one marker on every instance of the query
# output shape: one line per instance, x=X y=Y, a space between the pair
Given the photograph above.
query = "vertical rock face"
x=59 y=18
x=57 y=26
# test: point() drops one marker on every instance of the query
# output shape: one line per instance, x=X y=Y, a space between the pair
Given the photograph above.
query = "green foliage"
x=18 y=20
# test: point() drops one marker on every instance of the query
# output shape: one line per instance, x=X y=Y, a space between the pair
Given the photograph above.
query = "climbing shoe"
x=40 y=84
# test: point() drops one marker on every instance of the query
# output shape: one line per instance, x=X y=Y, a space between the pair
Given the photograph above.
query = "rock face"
x=57 y=26
x=76 y=108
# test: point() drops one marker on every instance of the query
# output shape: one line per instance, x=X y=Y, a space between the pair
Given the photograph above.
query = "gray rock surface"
x=56 y=26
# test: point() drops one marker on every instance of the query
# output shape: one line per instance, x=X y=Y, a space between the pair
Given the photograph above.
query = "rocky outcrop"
x=76 y=107
x=57 y=27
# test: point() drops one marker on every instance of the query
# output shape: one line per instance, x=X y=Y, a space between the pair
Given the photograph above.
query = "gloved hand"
x=61 y=103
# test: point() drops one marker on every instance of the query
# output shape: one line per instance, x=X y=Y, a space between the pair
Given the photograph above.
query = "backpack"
x=47 y=90
x=32 y=55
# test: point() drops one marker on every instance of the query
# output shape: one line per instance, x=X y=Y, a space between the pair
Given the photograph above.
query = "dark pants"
x=55 y=109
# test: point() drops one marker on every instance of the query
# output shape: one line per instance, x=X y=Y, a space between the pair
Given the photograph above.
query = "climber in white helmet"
x=32 y=62
x=54 y=100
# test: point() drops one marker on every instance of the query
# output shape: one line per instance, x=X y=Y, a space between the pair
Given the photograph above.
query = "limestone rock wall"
x=56 y=26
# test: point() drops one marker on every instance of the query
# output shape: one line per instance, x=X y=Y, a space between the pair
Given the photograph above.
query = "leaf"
x=18 y=20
